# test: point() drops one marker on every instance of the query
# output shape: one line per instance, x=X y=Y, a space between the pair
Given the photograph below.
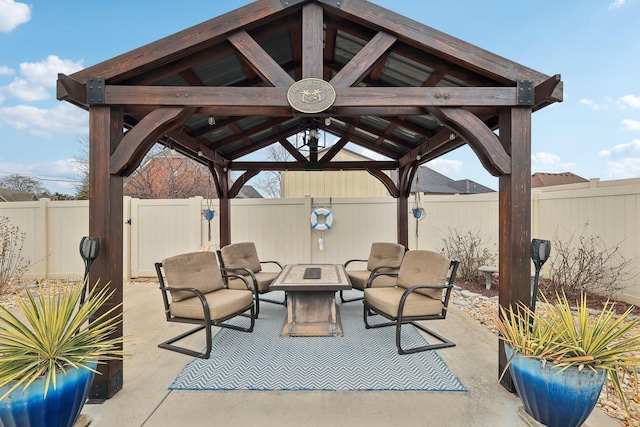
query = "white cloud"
x=625 y=168
x=549 y=162
x=445 y=166
x=45 y=73
x=36 y=78
x=631 y=124
x=545 y=158
x=623 y=160
x=623 y=150
x=13 y=14
x=64 y=118
x=593 y=104
x=629 y=101
x=6 y=71
x=24 y=91
x=616 y=4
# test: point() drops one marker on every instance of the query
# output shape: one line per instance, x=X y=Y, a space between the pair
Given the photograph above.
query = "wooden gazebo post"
x=514 y=221
x=106 y=222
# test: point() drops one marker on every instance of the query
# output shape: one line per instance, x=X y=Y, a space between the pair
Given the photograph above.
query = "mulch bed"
x=594 y=301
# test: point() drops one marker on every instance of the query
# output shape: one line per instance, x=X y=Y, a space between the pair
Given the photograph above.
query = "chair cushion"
x=424 y=268
x=241 y=255
x=222 y=303
x=385 y=253
x=359 y=279
x=192 y=270
x=264 y=279
x=387 y=301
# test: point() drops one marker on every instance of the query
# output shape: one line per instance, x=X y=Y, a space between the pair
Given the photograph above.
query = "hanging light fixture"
x=211 y=120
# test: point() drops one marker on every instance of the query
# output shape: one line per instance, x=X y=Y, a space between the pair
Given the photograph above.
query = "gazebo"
x=273 y=69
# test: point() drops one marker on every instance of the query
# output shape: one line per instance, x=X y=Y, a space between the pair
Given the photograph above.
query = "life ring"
x=328 y=219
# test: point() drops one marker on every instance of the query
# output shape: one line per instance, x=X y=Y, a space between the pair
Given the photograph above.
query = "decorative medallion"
x=311 y=95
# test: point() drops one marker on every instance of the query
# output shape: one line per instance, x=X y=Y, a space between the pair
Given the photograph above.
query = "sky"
x=593 y=44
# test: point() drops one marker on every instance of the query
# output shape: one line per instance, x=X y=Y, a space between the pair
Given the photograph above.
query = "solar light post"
x=540 y=251
x=89 y=249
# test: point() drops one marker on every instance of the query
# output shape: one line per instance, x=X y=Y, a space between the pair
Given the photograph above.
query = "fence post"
x=41 y=233
x=126 y=238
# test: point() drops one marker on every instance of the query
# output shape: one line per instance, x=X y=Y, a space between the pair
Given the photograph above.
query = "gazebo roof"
x=393 y=78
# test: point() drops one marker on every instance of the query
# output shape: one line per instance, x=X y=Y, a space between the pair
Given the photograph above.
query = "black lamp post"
x=89 y=249
x=540 y=251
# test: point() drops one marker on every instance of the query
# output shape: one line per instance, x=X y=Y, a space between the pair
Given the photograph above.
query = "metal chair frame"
x=206 y=323
x=400 y=319
x=372 y=276
x=244 y=272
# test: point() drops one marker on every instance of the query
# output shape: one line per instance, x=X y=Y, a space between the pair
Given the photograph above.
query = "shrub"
x=469 y=249
x=12 y=264
x=586 y=265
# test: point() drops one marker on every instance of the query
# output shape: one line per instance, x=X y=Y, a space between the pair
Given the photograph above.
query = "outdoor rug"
x=360 y=360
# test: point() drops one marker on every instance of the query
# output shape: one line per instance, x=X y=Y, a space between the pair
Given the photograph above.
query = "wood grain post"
x=514 y=233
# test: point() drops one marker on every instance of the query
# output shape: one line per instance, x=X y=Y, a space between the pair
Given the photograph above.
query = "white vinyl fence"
x=280 y=228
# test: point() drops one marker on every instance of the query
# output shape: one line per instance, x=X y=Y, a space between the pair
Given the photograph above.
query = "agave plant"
x=59 y=333
x=555 y=335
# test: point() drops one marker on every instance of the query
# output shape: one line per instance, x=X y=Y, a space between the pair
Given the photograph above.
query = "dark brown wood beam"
x=138 y=141
x=106 y=222
x=334 y=150
x=184 y=43
x=514 y=218
x=386 y=181
x=312 y=33
x=292 y=150
x=328 y=166
x=255 y=99
x=426 y=38
x=69 y=89
x=259 y=60
x=365 y=60
x=480 y=138
x=241 y=181
x=547 y=92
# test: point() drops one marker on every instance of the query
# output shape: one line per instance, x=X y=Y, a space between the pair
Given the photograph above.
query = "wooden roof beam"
x=136 y=142
x=254 y=99
x=312 y=33
x=364 y=61
x=259 y=60
x=480 y=138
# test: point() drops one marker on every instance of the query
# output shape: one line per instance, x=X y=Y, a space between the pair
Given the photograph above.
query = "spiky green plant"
x=555 y=335
x=58 y=334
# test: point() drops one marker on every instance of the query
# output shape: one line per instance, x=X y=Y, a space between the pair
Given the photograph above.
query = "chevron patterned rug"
x=360 y=360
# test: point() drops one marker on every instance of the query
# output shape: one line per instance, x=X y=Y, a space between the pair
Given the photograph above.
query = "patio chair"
x=422 y=292
x=242 y=258
x=384 y=257
x=194 y=291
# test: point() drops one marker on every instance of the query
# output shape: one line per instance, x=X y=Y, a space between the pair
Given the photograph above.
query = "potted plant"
x=48 y=360
x=559 y=361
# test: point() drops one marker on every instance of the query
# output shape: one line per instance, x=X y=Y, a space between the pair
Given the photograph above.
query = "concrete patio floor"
x=145 y=399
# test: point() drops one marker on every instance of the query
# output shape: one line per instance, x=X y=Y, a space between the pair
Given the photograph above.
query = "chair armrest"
x=447 y=286
x=196 y=292
x=354 y=260
x=390 y=267
x=242 y=272
x=375 y=274
x=226 y=275
x=272 y=262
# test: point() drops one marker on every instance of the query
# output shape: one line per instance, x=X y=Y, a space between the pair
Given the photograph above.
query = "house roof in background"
x=432 y=182
x=541 y=179
x=7 y=195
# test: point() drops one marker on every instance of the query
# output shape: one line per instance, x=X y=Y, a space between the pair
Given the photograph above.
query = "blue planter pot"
x=554 y=398
x=61 y=407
